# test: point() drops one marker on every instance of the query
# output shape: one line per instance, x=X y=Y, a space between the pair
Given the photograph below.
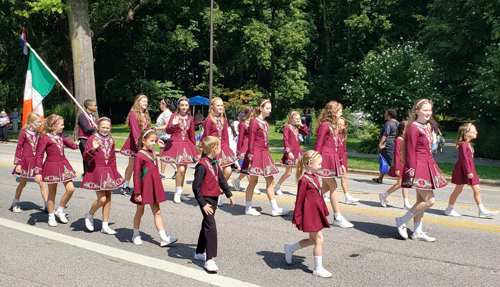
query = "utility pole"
x=211 y=77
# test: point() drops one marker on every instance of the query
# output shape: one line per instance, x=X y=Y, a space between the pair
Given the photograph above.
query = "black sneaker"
x=173 y=176
x=126 y=191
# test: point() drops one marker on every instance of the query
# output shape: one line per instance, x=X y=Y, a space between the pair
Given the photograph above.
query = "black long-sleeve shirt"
x=199 y=174
x=84 y=124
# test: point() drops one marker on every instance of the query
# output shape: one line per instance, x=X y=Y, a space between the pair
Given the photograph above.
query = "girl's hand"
x=176 y=120
x=138 y=198
x=290 y=156
x=77 y=142
x=96 y=143
x=470 y=175
x=161 y=144
x=18 y=168
x=294 y=225
x=397 y=172
x=231 y=200
x=343 y=169
x=38 y=178
x=208 y=209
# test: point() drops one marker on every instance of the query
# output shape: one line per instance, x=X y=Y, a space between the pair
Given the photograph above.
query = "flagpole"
x=57 y=79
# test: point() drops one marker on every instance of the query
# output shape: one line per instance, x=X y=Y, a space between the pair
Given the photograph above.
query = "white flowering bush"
x=393 y=78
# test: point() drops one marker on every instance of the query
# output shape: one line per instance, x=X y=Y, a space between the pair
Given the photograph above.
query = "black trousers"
x=81 y=145
x=3 y=133
x=207 y=241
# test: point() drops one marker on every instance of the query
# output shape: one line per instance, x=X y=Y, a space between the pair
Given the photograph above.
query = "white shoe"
x=177 y=197
x=256 y=191
x=487 y=213
x=89 y=222
x=170 y=240
x=201 y=256
x=137 y=240
x=52 y=222
x=422 y=237
x=383 y=201
x=288 y=254
x=350 y=200
x=185 y=198
x=219 y=202
x=278 y=191
x=322 y=272
x=252 y=211
x=451 y=212
x=210 y=266
x=280 y=212
x=326 y=198
x=342 y=222
x=406 y=206
x=61 y=216
x=108 y=231
x=403 y=231
x=236 y=184
x=16 y=207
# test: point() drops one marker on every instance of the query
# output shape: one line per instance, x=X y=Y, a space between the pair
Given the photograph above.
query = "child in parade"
x=166 y=108
x=148 y=187
x=465 y=172
x=397 y=170
x=349 y=199
x=242 y=145
x=310 y=214
x=137 y=120
x=258 y=161
x=56 y=167
x=329 y=146
x=420 y=171
x=102 y=175
x=207 y=184
x=181 y=148
x=25 y=158
x=292 y=151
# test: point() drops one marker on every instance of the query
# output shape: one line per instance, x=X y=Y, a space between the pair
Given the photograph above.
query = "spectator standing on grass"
x=15 y=120
x=387 y=136
x=307 y=120
x=4 y=127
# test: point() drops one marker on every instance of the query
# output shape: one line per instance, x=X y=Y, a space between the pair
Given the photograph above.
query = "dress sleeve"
x=286 y=139
x=19 y=148
x=397 y=156
x=69 y=143
x=411 y=145
x=320 y=138
x=241 y=135
x=191 y=131
x=206 y=128
x=299 y=202
x=40 y=150
x=137 y=173
x=112 y=155
x=468 y=162
x=252 y=129
x=303 y=130
x=88 y=153
x=199 y=173
x=134 y=127
x=225 y=134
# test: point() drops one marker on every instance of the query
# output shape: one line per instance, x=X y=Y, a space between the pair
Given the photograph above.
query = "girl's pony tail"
x=300 y=169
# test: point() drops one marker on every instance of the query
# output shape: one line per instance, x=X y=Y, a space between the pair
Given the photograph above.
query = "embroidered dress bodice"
x=33 y=137
x=426 y=131
x=314 y=180
x=57 y=139
x=265 y=130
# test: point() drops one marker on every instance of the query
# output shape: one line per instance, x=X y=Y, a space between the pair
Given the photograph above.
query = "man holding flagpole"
x=87 y=126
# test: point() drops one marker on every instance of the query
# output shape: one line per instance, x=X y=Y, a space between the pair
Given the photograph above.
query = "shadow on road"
x=276 y=260
x=379 y=230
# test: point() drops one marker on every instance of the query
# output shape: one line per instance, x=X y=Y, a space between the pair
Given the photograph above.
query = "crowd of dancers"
x=316 y=170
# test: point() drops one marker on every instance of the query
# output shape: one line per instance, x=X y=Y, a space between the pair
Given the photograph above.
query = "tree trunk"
x=327 y=46
x=83 y=59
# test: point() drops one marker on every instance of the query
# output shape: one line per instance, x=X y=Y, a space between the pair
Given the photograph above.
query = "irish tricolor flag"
x=39 y=83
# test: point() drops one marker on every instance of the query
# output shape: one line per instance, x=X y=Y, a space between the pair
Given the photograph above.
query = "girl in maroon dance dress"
x=292 y=151
x=258 y=161
x=349 y=199
x=25 y=158
x=56 y=167
x=181 y=148
x=419 y=169
x=137 y=120
x=465 y=172
x=102 y=175
x=397 y=170
x=148 y=187
x=310 y=214
x=328 y=144
x=242 y=145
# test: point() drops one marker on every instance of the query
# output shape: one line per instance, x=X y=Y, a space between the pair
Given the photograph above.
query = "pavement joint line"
x=136 y=258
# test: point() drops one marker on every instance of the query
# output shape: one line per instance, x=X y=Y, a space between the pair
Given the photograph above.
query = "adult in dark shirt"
x=87 y=126
x=307 y=120
x=387 y=137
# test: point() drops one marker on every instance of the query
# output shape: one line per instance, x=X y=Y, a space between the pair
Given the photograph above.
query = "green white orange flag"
x=39 y=83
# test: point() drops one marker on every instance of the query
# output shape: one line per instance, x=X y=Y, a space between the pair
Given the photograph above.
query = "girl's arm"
x=206 y=128
x=320 y=137
x=40 y=150
x=112 y=155
x=225 y=134
x=303 y=130
x=468 y=162
x=192 y=137
x=299 y=202
x=89 y=153
x=19 y=148
x=252 y=129
x=286 y=139
x=398 y=165
x=241 y=129
x=135 y=131
x=137 y=173
x=171 y=128
x=69 y=143
x=411 y=146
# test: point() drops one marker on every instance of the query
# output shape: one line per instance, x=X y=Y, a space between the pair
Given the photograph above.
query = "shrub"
x=486 y=144
x=67 y=111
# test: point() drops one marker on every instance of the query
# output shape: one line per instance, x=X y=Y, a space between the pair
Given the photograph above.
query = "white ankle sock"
x=277 y=186
x=318 y=262
x=136 y=232
x=104 y=225
x=295 y=247
x=45 y=203
x=274 y=205
x=418 y=227
x=178 y=189
x=407 y=201
x=347 y=195
x=407 y=217
x=386 y=194
x=52 y=216
x=15 y=201
x=248 y=206
x=336 y=215
x=60 y=209
x=91 y=216
x=481 y=207
x=450 y=207
x=237 y=180
x=163 y=235
x=127 y=183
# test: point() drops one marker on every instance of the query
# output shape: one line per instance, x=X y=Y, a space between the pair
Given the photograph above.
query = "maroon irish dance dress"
x=343 y=146
x=291 y=144
x=420 y=170
x=257 y=160
x=310 y=213
x=130 y=147
x=102 y=173
x=181 y=148
x=398 y=161
x=26 y=153
x=219 y=129
x=242 y=146
x=147 y=180
x=328 y=145
x=464 y=166
x=56 y=167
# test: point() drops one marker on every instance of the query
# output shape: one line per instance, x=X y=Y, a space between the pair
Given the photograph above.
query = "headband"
x=146 y=133
x=418 y=103
x=55 y=120
x=142 y=96
x=468 y=126
x=163 y=101
x=264 y=102
x=336 y=109
x=292 y=114
x=183 y=99
x=215 y=99
x=103 y=119
x=315 y=153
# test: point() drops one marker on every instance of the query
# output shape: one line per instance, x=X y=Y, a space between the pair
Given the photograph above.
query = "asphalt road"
x=250 y=248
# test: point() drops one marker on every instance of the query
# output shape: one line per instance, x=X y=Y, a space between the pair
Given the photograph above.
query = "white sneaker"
x=278 y=191
x=210 y=266
x=342 y=222
x=219 y=202
x=403 y=231
x=252 y=211
x=487 y=213
x=16 y=207
x=350 y=200
x=137 y=240
x=326 y=198
x=61 y=216
x=322 y=272
x=422 y=237
x=52 y=222
x=201 y=256
x=89 y=222
x=280 y=212
x=383 y=201
x=170 y=240
x=108 y=231
x=406 y=206
x=177 y=197
x=236 y=184
x=451 y=212
x=256 y=191
x=185 y=198
x=288 y=254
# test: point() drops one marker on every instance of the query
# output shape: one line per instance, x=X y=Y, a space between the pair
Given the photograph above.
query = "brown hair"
x=148 y=133
x=290 y=117
x=258 y=109
x=138 y=113
x=401 y=128
x=48 y=124
x=462 y=134
x=33 y=117
x=304 y=160
x=209 y=142
x=412 y=116
x=329 y=114
x=344 y=131
x=211 y=113
x=177 y=110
